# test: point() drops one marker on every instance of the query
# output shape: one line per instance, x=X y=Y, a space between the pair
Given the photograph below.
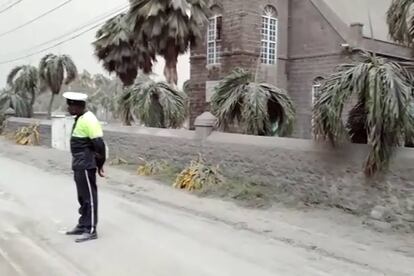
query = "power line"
x=104 y=17
x=59 y=43
x=35 y=19
x=7 y=3
x=10 y=6
x=74 y=30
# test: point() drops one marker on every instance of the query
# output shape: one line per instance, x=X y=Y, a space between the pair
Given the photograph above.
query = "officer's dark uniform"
x=88 y=153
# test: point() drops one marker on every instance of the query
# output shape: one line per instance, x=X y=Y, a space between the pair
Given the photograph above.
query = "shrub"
x=198 y=175
x=28 y=136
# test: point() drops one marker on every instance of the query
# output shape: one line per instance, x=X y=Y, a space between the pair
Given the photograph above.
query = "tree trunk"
x=32 y=102
x=31 y=113
x=171 y=60
x=127 y=119
x=49 y=110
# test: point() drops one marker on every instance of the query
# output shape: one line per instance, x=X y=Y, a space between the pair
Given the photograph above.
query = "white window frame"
x=315 y=93
x=268 y=41
x=315 y=90
x=213 y=43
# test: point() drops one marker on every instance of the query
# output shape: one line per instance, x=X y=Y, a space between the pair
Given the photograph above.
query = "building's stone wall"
x=240 y=48
x=289 y=170
x=309 y=46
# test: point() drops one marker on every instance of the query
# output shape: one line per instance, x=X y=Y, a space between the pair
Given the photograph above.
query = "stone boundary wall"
x=45 y=127
x=291 y=170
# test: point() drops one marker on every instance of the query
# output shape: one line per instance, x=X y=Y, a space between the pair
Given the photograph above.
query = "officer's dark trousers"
x=88 y=198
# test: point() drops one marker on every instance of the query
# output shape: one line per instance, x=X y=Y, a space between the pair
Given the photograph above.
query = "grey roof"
x=358 y=11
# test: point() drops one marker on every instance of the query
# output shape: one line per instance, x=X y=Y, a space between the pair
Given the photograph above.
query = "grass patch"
x=206 y=181
x=245 y=193
x=158 y=169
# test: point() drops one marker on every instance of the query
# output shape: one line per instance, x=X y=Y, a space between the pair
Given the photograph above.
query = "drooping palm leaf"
x=24 y=80
x=10 y=99
x=122 y=53
x=385 y=89
x=124 y=106
x=156 y=104
x=70 y=68
x=54 y=72
x=170 y=26
x=400 y=19
x=257 y=108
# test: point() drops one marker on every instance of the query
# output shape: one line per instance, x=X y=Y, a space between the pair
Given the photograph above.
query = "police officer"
x=88 y=158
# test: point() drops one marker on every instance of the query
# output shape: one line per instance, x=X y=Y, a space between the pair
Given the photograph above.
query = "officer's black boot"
x=86 y=236
x=78 y=230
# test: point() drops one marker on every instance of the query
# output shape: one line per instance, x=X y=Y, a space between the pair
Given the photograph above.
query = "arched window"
x=269 y=36
x=214 y=33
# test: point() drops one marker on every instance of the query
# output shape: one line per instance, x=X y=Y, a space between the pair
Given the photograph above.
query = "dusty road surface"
x=147 y=238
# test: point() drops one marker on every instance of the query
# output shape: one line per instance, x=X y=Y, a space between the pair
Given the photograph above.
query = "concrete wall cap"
x=206 y=119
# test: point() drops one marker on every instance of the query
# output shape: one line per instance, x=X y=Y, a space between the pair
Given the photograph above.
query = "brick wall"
x=240 y=48
x=309 y=47
x=303 y=72
x=314 y=51
x=290 y=170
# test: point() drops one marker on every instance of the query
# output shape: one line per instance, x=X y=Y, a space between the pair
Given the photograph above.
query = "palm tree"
x=54 y=71
x=103 y=100
x=170 y=26
x=9 y=98
x=24 y=81
x=382 y=113
x=155 y=104
x=120 y=52
x=257 y=108
x=400 y=19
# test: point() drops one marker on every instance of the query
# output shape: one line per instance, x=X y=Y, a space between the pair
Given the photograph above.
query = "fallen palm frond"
x=118 y=161
x=28 y=136
x=152 y=168
x=198 y=175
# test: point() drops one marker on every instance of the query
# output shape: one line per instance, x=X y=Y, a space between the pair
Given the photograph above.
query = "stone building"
x=294 y=43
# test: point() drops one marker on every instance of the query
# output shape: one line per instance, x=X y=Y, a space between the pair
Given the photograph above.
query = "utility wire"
x=59 y=43
x=10 y=6
x=35 y=19
x=79 y=28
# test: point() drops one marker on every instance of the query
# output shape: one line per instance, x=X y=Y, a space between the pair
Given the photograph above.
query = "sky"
x=376 y=9
x=76 y=13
